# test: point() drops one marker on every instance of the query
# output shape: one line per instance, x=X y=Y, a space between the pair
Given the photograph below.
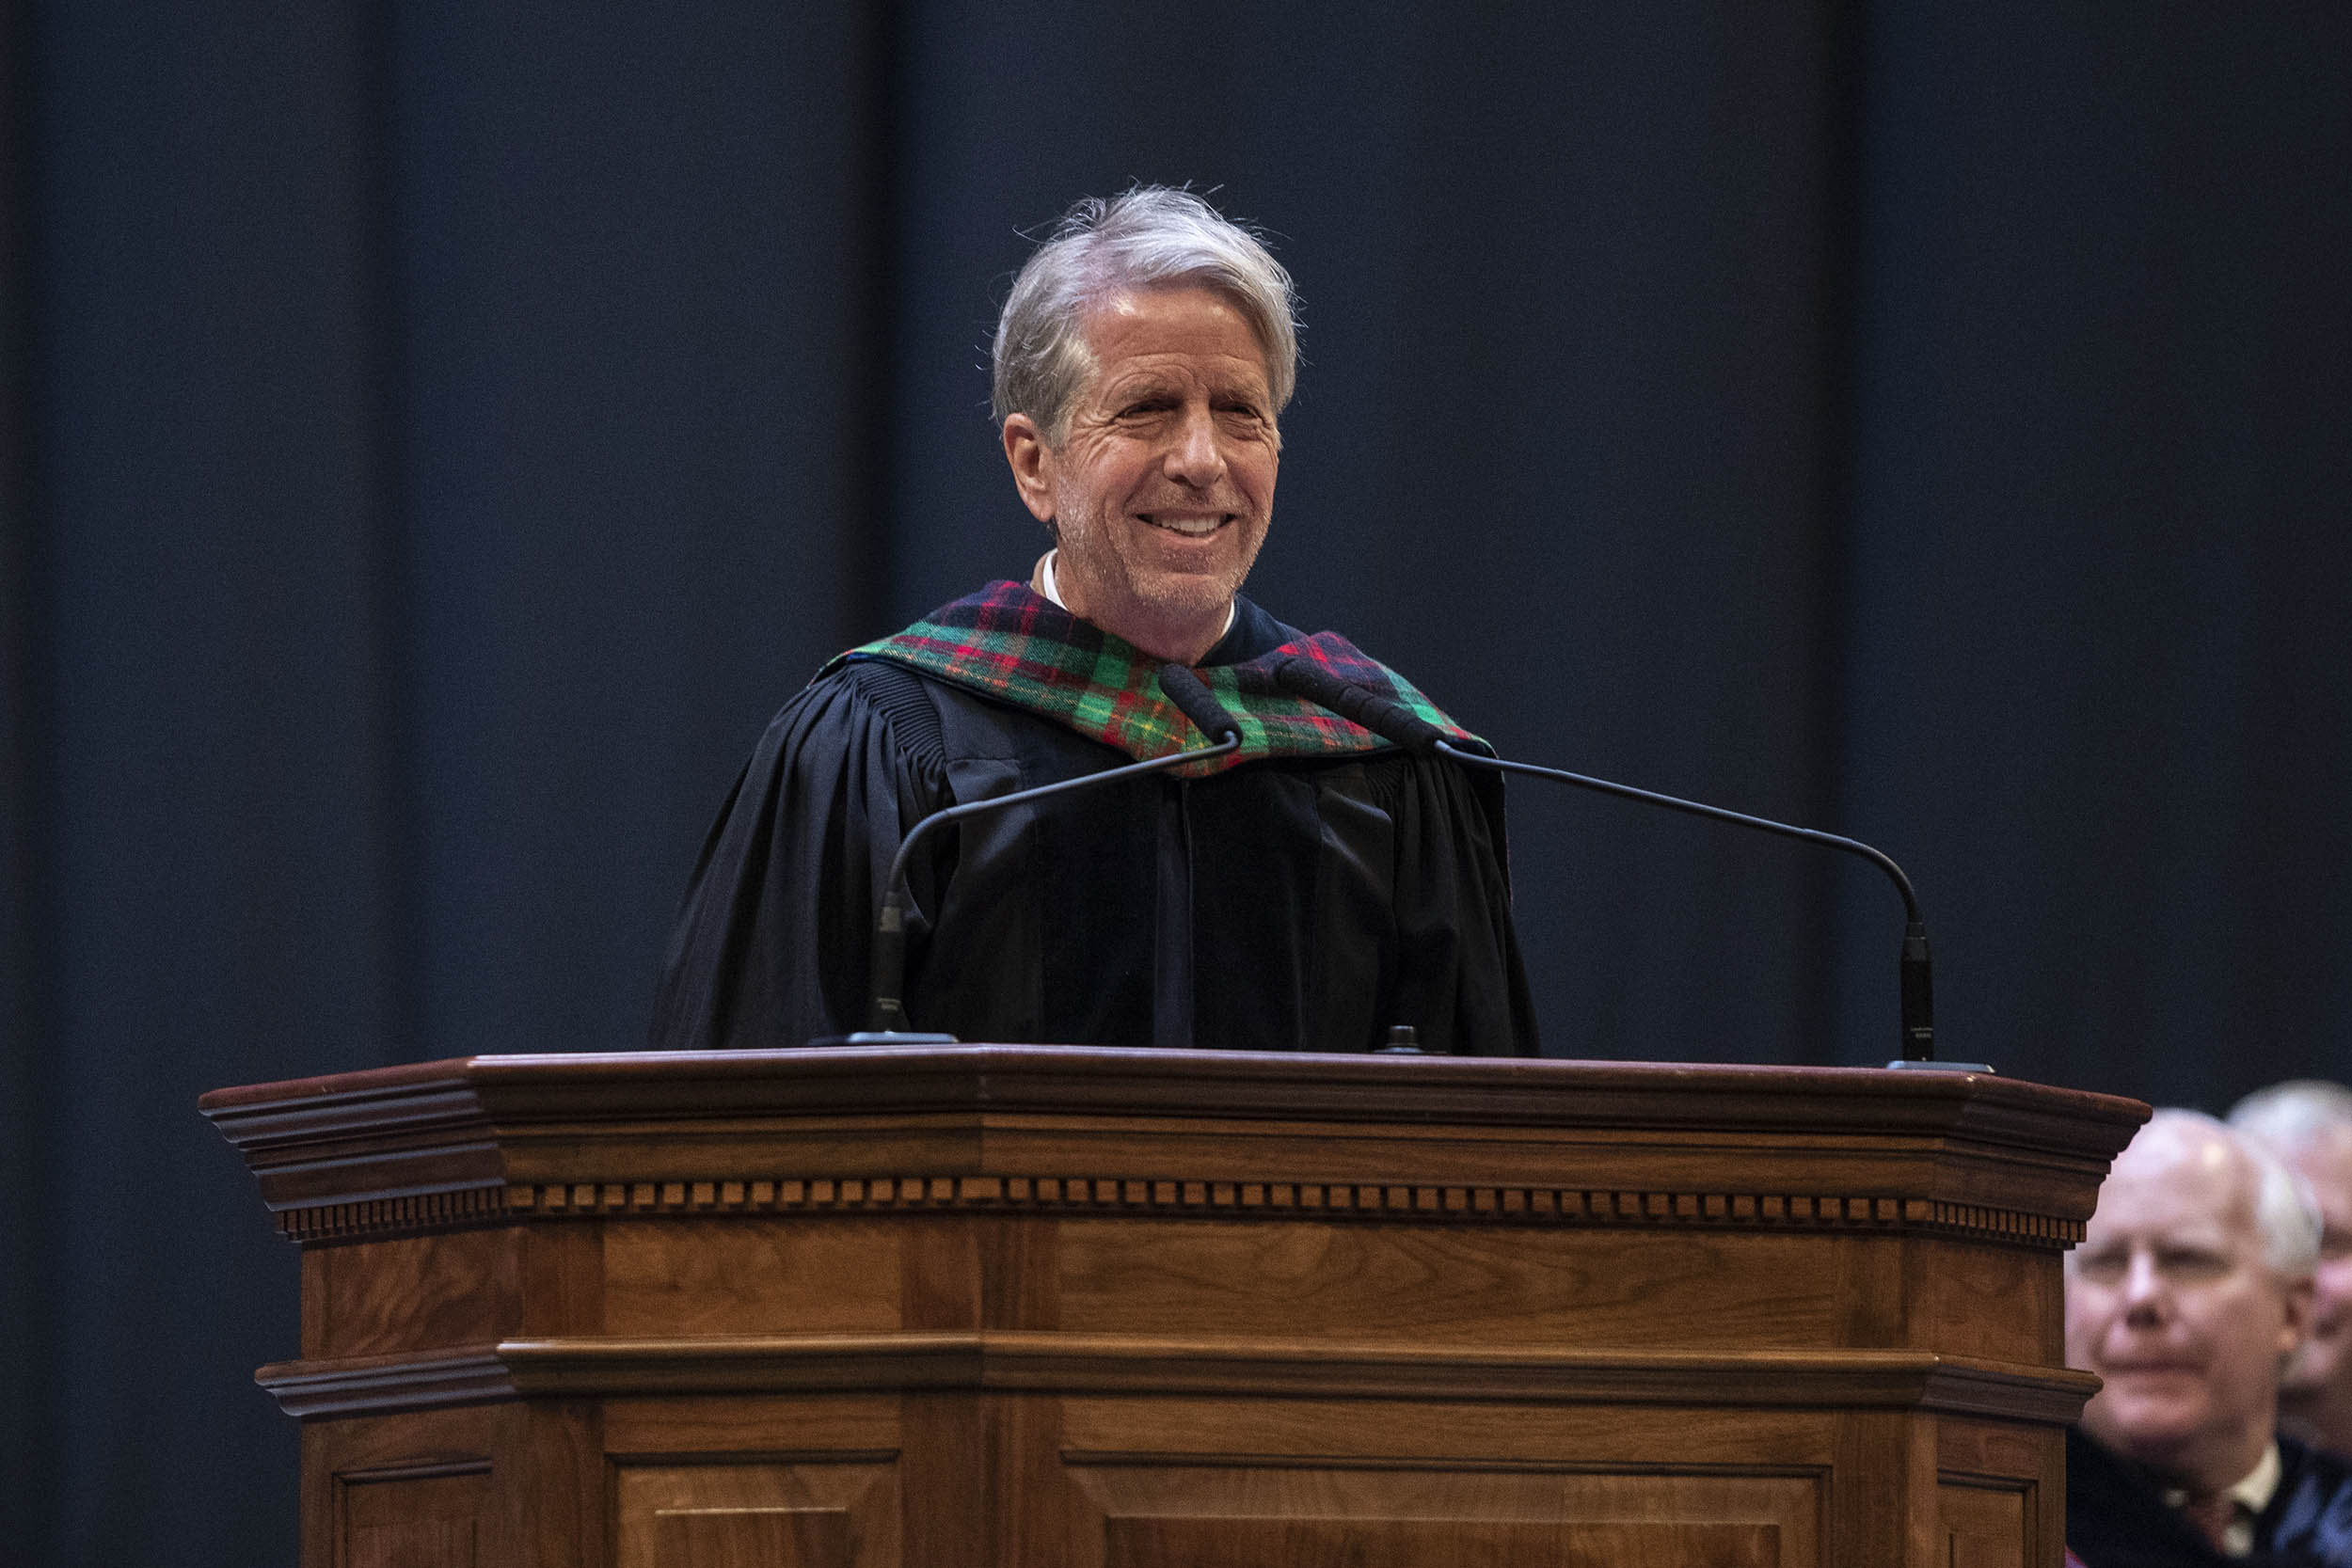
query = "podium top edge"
x=1014 y=1078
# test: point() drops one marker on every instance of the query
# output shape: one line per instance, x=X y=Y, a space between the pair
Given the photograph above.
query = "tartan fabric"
x=1014 y=645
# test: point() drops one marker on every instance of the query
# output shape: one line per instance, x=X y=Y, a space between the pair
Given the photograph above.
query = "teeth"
x=1191 y=528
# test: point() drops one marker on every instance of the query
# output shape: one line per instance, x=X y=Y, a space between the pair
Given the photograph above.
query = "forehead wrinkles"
x=1175 y=322
x=1179 y=372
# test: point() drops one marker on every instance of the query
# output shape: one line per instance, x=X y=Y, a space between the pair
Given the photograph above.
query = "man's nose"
x=1196 y=457
x=2145 y=1296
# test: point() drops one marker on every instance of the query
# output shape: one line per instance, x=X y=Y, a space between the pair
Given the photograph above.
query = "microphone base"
x=883 y=1036
x=1908 y=1066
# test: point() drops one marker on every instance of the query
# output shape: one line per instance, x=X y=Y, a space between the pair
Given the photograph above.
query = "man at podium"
x=1315 y=890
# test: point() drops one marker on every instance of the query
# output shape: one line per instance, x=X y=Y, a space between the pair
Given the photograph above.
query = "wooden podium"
x=966 y=1306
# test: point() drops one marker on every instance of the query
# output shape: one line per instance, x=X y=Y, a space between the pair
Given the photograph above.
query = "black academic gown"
x=2116 y=1516
x=1282 y=905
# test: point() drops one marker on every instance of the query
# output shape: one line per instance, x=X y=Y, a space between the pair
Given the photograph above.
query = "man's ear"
x=2297 y=1324
x=1032 y=465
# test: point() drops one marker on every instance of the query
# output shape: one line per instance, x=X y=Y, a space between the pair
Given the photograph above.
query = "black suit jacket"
x=2116 y=1516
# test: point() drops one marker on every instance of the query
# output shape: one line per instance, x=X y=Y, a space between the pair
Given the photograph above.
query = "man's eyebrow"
x=1139 y=383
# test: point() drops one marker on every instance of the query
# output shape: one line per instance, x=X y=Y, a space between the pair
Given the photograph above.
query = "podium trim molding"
x=1166 y=1197
x=1031 y=1362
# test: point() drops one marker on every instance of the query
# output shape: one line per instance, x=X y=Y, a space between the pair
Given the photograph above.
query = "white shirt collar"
x=2253 y=1494
x=1046 y=586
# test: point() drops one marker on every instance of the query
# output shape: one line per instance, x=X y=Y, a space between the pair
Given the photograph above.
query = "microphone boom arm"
x=1400 y=726
x=1695 y=808
x=1919 y=1003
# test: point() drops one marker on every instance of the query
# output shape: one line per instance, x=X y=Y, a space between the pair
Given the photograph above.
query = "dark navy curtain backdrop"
x=435 y=437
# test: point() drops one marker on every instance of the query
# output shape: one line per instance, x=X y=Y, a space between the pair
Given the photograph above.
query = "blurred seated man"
x=2308 y=1125
x=2190 y=1289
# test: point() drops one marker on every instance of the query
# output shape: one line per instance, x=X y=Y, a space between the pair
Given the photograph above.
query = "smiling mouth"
x=1187 y=525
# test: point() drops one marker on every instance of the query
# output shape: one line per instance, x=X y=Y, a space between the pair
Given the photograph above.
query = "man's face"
x=2326 y=1162
x=2169 y=1300
x=1161 y=491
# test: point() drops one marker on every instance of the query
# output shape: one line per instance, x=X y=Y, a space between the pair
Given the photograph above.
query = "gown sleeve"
x=1458 y=958
x=771 y=945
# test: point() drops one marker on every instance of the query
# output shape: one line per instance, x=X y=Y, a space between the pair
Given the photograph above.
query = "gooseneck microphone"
x=1401 y=726
x=886 y=1020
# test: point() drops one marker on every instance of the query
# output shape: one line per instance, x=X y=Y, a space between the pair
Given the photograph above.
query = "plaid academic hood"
x=1012 y=644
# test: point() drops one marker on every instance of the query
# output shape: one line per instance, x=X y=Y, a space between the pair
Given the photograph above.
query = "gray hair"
x=2285 y=1218
x=1153 y=236
x=2287 y=1116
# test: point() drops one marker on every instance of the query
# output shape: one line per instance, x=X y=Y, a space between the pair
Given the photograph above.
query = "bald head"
x=2191 y=1289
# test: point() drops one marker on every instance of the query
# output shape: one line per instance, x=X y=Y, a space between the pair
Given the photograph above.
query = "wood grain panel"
x=341 y=1459
x=314 y=1299
x=1270 y=1151
x=852 y=1425
x=1306 y=1430
x=2022 y=1464
x=1999 y=1454
x=1249 y=1515
x=783 y=1514
x=940 y=1271
x=555 y=1499
x=947 y=1511
x=1874 y=1310
x=563 y=1278
x=414 y=1292
x=2031 y=1461
x=754 y=1537
x=1028 y=1501
x=1587 y=1288
x=1980 y=1526
x=747 y=1274
x=1885 y=1469
x=414 y=1543
x=420 y=1520
x=1979 y=1300
x=1021 y=1272
x=1434 y=1543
